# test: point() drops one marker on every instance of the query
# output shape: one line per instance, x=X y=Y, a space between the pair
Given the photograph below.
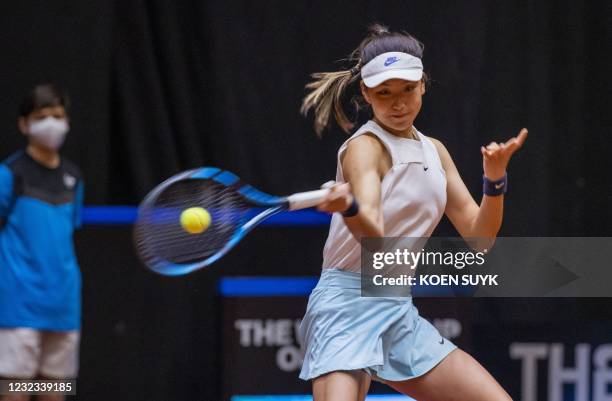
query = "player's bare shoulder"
x=437 y=142
x=366 y=141
x=445 y=157
x=366 y=151
x=366 y=147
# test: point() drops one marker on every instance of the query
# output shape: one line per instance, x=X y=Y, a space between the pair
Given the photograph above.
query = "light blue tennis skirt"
x=384 y=336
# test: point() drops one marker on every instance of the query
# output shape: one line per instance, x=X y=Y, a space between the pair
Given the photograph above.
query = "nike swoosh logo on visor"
x=391 y=60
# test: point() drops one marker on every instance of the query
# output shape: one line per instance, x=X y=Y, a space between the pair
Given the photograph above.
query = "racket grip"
x=303 y=200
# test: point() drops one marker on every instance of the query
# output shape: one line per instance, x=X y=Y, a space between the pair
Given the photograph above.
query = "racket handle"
x=303 y=200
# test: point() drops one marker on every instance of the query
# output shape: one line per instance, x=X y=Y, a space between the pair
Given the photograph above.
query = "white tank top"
x=413 y=196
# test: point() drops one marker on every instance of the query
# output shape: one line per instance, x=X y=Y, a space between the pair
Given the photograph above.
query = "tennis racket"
x=233 y=208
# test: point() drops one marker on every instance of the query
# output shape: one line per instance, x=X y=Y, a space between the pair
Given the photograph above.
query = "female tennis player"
x=397 y=182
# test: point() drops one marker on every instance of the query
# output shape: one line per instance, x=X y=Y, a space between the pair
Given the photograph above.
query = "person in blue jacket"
x=41 y=196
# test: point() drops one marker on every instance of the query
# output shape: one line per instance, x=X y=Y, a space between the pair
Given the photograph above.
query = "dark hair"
x=327 y=88
x=41 y=96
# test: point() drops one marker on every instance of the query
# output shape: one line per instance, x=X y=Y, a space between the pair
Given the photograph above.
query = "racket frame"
x=272 y=205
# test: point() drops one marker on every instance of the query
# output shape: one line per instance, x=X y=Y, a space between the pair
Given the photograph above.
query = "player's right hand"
x=339 y=199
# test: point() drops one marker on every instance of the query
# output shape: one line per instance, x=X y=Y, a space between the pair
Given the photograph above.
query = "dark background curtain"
x=159 y=86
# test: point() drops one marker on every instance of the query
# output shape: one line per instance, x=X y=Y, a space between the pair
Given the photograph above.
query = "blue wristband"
x=352 y=210
x=495 y=188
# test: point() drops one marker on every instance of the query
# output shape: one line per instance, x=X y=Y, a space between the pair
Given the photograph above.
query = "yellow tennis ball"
x=195 y=220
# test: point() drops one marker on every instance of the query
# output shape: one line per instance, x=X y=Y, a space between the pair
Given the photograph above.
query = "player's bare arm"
x=364 y=164
x=470 y=219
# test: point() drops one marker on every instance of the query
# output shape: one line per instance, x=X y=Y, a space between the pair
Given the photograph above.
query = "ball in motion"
x=195 y=220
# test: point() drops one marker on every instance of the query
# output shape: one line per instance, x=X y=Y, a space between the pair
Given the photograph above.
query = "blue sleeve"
x=6 y=190
x=78 y=205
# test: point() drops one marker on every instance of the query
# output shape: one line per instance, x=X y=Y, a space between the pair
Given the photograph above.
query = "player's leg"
x=459 y=377
x=350 y=385
x=19 y=357
x=59 y=358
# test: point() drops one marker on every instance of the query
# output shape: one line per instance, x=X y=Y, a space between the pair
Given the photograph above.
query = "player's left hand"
x=495 y=156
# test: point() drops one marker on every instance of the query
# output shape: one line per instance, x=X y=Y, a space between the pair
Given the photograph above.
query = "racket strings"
x=160 y=236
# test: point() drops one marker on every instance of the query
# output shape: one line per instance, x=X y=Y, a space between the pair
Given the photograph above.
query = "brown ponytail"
x=325 y=97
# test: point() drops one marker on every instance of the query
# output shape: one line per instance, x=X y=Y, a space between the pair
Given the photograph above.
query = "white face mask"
x=49 y=131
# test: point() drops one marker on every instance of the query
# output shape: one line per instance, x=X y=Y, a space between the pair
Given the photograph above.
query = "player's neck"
x=409 y=133
x=47 y=157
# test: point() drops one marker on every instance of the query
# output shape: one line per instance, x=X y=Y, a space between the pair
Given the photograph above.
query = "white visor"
x=392 y=65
